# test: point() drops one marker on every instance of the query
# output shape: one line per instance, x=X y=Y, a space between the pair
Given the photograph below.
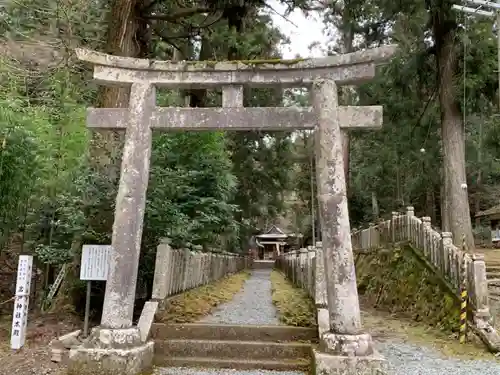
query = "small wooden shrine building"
x=274 y=242
x=493 y=215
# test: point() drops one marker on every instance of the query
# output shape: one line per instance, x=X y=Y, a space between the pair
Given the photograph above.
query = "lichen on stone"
x=254 y=63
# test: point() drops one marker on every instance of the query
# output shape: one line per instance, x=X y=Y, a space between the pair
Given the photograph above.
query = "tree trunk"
x=375 y=208
x=127 y=35
x=452 y=133
x=430 y=203
x=445 y=212
x=477 y=196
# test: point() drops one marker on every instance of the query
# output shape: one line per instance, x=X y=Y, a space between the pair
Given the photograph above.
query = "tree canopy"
x=214 y=189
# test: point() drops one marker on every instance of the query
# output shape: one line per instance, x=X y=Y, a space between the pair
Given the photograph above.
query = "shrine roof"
x=274 y=232
x=495 y=210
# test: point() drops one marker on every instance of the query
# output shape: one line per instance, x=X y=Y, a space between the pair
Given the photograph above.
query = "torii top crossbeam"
x=352 y=68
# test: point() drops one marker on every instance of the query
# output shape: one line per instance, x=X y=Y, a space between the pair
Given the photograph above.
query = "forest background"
x=215 y=189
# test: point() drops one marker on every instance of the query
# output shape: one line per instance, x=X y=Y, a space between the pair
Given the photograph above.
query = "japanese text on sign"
x=95 y=261
x=21 y=301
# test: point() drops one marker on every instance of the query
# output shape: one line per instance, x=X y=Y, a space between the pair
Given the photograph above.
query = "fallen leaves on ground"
x=34 y=357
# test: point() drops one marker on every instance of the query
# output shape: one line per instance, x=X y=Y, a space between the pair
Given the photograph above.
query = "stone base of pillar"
x=330 y=364
x=112 y=351
x=347 y=345
x=323 y=321
x=347 y=355
x=483 y=327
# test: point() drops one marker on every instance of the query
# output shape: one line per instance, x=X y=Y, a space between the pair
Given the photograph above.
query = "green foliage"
x=205 y=188
x=35 y=183
x=190 y=189
x=401 y=164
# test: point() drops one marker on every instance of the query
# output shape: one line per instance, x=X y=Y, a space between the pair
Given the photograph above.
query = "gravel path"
x=211 y=371
x=252 y=305
x=410 y=359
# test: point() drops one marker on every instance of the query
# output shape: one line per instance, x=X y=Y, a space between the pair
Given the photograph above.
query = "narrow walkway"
x=221 y=371
x=252 y=305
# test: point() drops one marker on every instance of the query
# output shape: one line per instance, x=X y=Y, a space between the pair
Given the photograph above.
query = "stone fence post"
x=410 y=213
x=178 y=270
x=394 y=228
x=479 y=287
x=425 y=244
x=373 y=236
x=452 y=261
x=320 y=299
x=163 y=270
x=302 y=266
x=310 y=270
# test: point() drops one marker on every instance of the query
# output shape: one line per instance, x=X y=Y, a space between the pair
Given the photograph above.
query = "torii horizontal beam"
x=237 y=119
x=347 y=69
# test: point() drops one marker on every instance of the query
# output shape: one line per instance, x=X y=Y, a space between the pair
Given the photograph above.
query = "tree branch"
x=182 y=13
x=167 y=37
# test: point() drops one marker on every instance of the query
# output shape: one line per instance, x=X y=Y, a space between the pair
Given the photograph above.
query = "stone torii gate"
x=117 y=337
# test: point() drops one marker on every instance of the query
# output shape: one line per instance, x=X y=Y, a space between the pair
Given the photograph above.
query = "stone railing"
x=299 y=268
x=304 y=268
x=178 y=270
x=457 y=267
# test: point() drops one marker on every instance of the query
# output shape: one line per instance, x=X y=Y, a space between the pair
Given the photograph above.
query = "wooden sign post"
x=21 y=302
x=94 y=266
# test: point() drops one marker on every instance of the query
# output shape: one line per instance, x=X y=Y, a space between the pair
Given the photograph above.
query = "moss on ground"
x=192 y=305
x=295 y=307
x=395 y=280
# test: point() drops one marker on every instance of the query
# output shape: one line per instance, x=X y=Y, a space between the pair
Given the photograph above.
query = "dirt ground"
x=491 y=256
x=34 y=358
x=383 y=326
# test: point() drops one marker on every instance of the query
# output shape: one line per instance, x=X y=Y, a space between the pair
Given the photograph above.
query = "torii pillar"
x=345 y=348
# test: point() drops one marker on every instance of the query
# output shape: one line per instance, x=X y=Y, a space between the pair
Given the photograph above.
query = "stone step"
x=492 y=283
x=492 y=275
x=494 y=292
x=236 y=364
x=241 y=350
x=228 y=332
x=493 y=268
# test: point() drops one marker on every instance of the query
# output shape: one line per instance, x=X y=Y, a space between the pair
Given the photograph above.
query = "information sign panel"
x=95 y=262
